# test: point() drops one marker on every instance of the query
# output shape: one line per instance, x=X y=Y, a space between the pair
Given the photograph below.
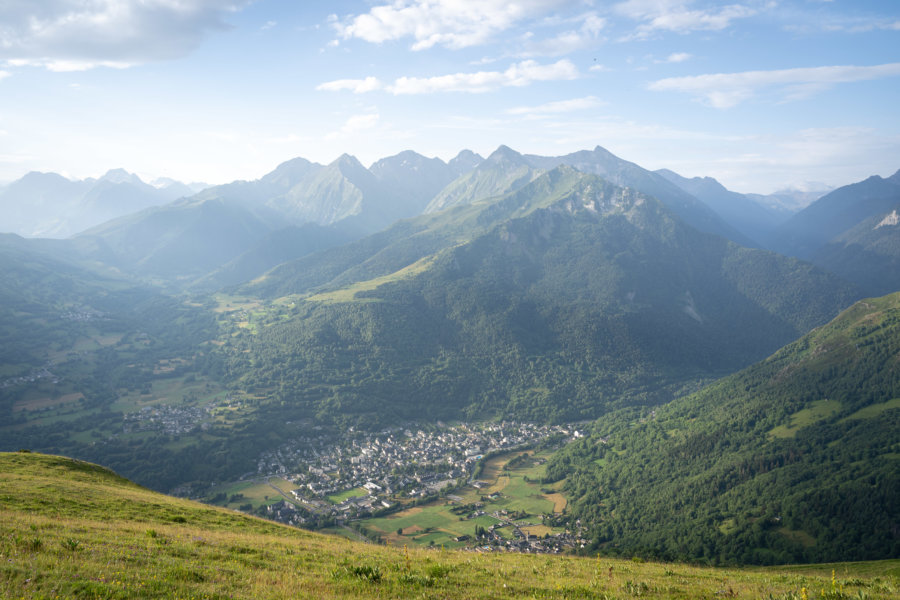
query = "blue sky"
x=761 y=94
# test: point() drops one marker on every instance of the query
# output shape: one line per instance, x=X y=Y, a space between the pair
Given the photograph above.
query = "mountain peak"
x=465 y=161
x=36 y=176
x=347 y=160
x=121 y=176
x=406 y=160
x=289 y=172
x=505 y=154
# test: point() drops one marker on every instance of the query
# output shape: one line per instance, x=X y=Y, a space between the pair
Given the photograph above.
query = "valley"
x=531 y=300
x=507 y=367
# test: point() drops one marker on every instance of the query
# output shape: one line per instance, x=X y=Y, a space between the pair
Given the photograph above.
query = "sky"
x=760 y=94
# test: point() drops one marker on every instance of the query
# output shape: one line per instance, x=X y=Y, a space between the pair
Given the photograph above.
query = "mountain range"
x=121 y=221
x=546 y=289
x=48 y=205
x=500 y=300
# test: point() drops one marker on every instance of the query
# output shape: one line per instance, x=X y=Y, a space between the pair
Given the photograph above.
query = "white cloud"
x=355 y=124
x=724 y=90
x=561 y=106
x=677 y=16
x=450 y=23
x=79 y=34
x=68 y=66
x=677 y=57
x=585 y=36
x=357 y=86
x=4 y=75
x=517 y=75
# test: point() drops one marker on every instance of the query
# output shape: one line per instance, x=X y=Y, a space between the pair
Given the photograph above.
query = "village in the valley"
x=371 y=474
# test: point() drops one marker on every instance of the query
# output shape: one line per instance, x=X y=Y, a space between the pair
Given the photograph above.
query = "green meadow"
x=70 y=529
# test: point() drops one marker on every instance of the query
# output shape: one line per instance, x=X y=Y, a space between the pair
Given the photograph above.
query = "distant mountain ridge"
x=198 y=241
x=50 y=205
x=850 y=232
x=747 y=214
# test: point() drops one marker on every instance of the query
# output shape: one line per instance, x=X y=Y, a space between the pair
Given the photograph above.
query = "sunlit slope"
x=796 y=458
x=74 y=530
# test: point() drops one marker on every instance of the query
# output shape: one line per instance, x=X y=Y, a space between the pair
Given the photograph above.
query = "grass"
x=255 y=493
x=817 y=411
x=69 y=529
x=348 y=294
x=874 y=410
x=352 y=493
x=43 y=402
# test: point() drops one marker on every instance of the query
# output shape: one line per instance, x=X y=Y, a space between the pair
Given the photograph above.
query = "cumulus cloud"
x=517 y=75
x=677 y=57
x=357 y=86
x=677 y=16
x=558 y=107
x=724 y=90
x=587 y=35
x=448 y=23
x=80 y=34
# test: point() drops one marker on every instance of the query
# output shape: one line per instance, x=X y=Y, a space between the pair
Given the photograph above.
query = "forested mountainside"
x=559 y=301
x=794 y=459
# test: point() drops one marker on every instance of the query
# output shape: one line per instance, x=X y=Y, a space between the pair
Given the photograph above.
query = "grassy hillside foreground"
x=69 y=529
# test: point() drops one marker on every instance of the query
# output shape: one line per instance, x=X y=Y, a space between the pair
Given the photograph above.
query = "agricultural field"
x=251 y=495
x=352 y=493
x=507 y=486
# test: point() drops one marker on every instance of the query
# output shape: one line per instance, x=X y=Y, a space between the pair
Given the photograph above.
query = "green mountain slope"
x=796 y=458
x=868 y=254
x=47 y=302
x=409 y=241
x=559 y=301
x=505 y=170
x=71 y=529
x=280 y=246
x=184 y=239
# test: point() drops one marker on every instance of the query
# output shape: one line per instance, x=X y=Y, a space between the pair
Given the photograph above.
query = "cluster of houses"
x=42 y=372
x=83 y=315
x=399 y=462
x=392 y=466
x=521 y=540
x=170 y=419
